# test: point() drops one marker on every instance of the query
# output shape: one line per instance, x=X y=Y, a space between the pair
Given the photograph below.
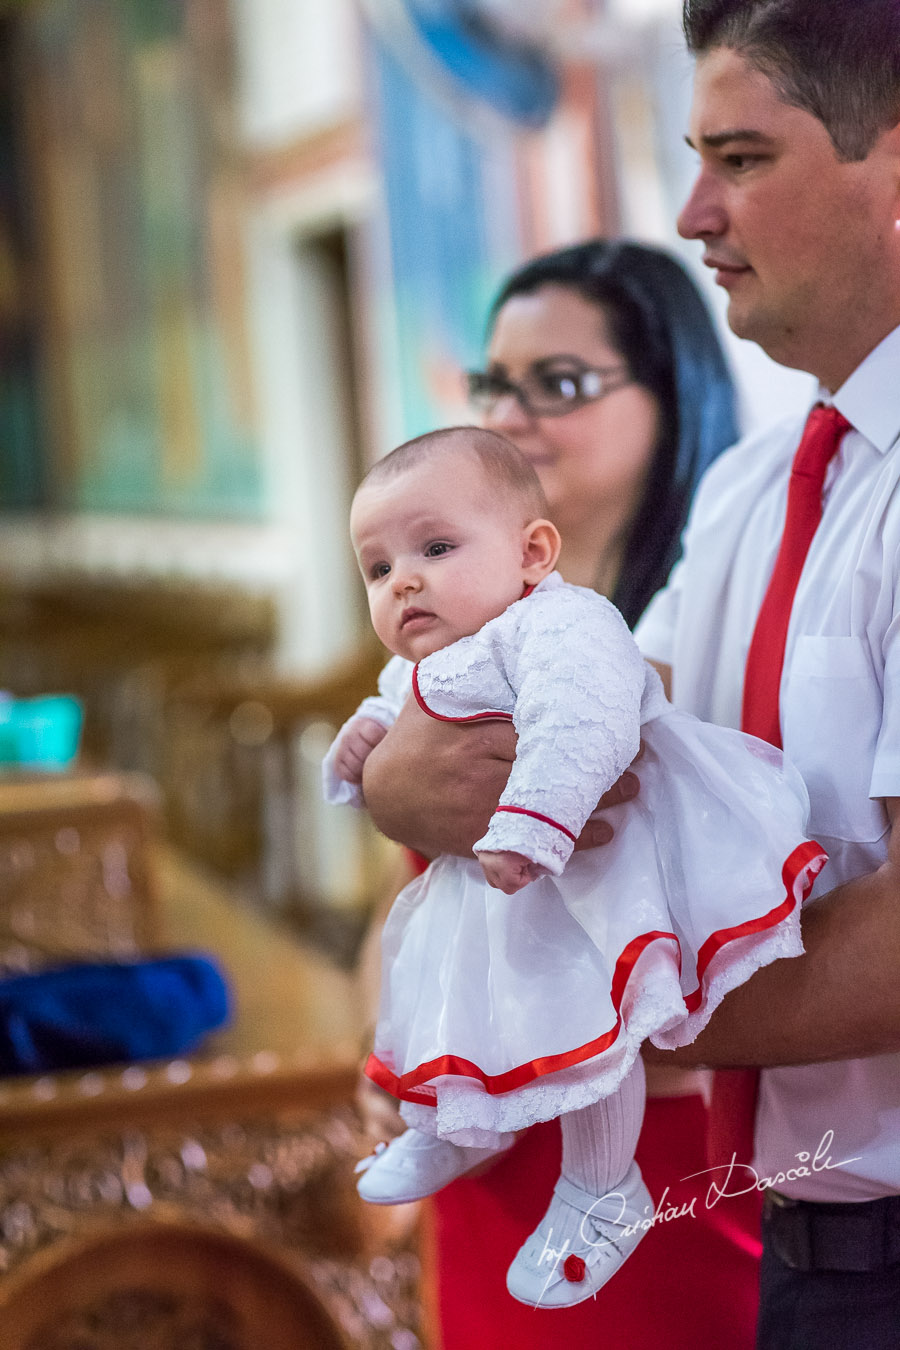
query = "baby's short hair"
x=505 y=467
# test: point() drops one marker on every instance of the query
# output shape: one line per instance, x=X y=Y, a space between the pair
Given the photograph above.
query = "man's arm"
x=840 y=1000
x=665 y=674
x=434 y=786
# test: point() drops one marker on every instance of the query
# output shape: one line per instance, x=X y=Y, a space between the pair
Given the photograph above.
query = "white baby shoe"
x=548 y=1274
x=415 y=1165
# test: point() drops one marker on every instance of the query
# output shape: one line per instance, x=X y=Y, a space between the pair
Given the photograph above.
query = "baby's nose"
x=407 y=579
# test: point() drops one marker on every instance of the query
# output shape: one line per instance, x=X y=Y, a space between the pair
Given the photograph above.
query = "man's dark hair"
x=836 y=59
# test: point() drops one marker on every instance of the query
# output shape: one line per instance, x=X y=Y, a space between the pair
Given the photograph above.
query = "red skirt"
x=692 y=1281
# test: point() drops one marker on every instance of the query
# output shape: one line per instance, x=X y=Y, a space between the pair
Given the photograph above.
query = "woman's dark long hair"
x=662 y=329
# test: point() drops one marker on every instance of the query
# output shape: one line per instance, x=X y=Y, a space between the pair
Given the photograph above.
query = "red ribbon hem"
x=798 y=874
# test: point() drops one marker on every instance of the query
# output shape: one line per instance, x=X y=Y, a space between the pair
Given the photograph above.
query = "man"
x=797 y=202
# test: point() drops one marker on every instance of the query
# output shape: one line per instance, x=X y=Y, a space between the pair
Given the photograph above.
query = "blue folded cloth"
x=108 y=1013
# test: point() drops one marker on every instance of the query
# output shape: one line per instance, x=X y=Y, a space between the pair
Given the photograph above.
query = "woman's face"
x=594 y=459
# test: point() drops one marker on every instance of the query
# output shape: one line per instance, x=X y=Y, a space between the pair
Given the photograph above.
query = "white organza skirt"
x=500 y=1011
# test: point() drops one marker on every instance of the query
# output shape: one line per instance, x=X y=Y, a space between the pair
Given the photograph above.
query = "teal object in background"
x=39 y=733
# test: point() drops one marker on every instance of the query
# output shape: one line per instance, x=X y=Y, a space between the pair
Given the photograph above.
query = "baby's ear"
x=540 y=550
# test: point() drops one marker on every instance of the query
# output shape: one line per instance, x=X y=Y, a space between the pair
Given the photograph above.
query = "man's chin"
x=748 y=322
x=740 y=320
x=780 y=342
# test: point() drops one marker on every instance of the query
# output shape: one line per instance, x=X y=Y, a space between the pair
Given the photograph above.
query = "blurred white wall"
x=299 y=65
x=300 y=83
x=652 y=99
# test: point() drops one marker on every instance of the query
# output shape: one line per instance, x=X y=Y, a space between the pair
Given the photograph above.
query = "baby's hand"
x=355 y=746
x=509 y=872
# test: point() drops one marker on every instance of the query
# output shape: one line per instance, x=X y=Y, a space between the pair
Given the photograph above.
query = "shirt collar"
x=870 y=398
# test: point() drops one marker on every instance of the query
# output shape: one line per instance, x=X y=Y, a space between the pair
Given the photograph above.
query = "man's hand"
x=355 y=746
x=509 y=872
x=435 y=785
x=840 y=1000
x=598 y=831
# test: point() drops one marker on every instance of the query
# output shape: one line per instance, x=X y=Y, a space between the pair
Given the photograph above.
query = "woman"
x=604 y=369
x=618 y=457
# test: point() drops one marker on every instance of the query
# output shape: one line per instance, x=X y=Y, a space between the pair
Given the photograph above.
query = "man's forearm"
x=840 y=1000
x=434 y=786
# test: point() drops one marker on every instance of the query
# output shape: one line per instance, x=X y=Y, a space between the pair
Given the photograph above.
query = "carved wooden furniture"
x=76 y=876
x=165 y=1287
x=240 y=774
x=178 y=683
x=119 y=644
x=206 y=1202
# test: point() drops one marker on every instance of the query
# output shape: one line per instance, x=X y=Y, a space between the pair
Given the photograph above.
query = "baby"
x=519 y=984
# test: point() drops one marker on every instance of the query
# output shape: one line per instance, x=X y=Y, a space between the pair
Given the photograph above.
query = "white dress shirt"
x=840 y=715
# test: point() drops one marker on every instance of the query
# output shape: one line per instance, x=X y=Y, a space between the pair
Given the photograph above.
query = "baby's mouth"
x=412 y=615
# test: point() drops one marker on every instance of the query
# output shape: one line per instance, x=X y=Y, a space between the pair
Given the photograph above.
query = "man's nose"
x=703 y=216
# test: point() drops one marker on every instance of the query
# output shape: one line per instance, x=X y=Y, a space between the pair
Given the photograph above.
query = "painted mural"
x=452 y=209
x=21 y=446
x=139 y=201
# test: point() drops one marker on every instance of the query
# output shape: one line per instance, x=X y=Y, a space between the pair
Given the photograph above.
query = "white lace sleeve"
x=394 y=684
x=578 y=679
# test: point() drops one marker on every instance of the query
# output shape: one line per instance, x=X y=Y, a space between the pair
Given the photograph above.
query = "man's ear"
x=540 y=549
x=888 y=147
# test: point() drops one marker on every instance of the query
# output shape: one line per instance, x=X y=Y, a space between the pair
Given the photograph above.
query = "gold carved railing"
x=77 y=879
x=119 y=644
x=241 y=779
x=178 y=684
x=206 y=1200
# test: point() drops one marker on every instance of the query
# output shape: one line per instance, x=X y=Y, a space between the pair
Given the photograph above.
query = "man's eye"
x=436 y=549
x=741 y=162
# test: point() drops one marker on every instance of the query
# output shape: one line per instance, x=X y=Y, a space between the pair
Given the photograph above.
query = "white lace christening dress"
x=504 y=1010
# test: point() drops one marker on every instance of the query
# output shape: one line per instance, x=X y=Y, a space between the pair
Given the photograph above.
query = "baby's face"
x=439 y=553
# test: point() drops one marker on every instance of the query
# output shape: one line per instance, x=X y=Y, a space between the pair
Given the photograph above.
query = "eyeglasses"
x=550 y=388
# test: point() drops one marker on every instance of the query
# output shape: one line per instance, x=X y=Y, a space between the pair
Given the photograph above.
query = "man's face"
x=804 y=244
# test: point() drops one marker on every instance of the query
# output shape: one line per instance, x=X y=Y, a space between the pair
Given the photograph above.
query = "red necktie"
x=732 y=1113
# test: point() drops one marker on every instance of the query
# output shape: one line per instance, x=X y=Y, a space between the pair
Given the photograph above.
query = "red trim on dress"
x=799 y=872
x=800 y=869
x=536 y=815
x=473 y=717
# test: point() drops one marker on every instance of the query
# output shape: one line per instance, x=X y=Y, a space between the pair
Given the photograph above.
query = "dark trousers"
x=826 y=1309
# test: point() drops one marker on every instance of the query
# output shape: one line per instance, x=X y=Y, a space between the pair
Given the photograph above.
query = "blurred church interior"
x=246 y=246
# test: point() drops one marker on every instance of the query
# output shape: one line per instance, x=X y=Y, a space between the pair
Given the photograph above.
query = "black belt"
x=808 y=1235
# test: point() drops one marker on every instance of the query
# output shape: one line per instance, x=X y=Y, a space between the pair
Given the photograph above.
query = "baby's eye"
x=437 y=549
x=379 y=570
